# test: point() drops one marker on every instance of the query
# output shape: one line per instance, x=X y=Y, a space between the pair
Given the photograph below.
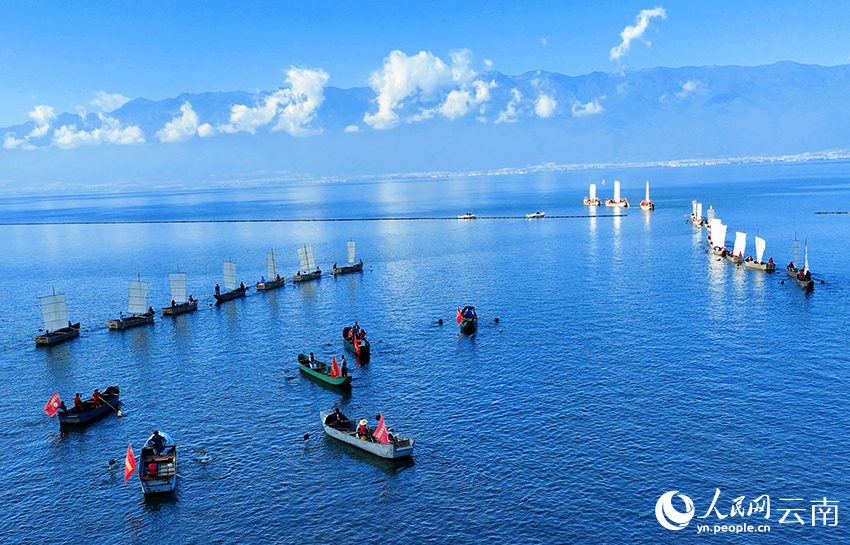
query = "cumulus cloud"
x=636 y=32
x=592 y=107
x=43 y=117
x=545 y=106
x=509 y=115
x=425 y=78
x=206 y=130
x=352 y=128
x=180 y=128
x=294 y=108
x=10 y=142
x=111 y=131
x=107 y=102
x=692 y=86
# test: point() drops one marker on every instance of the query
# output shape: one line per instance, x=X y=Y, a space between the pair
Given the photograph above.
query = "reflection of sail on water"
x=138 y=297
x=305 y=256
x=350 y=252
x=270 y=266
x=54 y=312
x=759 y=249
x=229 y=270
x=177 y=281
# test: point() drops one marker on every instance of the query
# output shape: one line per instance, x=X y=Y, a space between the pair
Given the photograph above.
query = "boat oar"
x=113 y=408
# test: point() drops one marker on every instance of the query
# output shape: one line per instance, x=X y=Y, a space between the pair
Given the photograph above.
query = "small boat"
x=535 y=215
x=365 y=350
x=271 y=271
x=467 y=216
x=737 y=255
x=109 y=403
x=717 y=238
x=710 y=215
x=308 y=263
x=802 y=276
x=468 y=319
x=158 y=472
x=592 y=199
x=617 y=202
x=758 y=264
x=322 y=371
x=352 y=266
x=179 y=303
x=229 y=273
x=696 y=213
x=646 y=203
x=57 y=328
x=345 y=430
x=137 y=301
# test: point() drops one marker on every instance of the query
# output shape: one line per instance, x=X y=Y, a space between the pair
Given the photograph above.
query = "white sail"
x=699 y=210
x=759 y=249
x=229 y=270
x=138 y=303
x=694 y=208
x=647 y=191
x=806 y=259
x=351 y=252
x=271 y=271
x=718 y=234
x=592 y=192
x=712 y=225
x=616 y=191
x=796 y=248
x=302 y=258
x=710 y=213
x=177 y=281
x=54 y=312
x=740 y=243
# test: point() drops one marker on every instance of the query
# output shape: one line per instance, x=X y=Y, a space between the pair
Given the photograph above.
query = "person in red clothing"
x=362 y=430
x=152 y=469
x=78 y=403
x=95 y=398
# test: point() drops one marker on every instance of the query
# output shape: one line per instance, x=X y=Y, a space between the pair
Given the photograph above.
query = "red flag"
x=52 y=405
x=129 y=463
x=458 y=315
x=381 y=432
x=356 y=344
x=335 y=369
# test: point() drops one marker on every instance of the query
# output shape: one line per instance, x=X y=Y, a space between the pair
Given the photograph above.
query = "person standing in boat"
x=157 y=442
x=191 y=300
x=217 y=290
x=95 y=399
x=78 y=403
x=344 y=369
x=262 y=279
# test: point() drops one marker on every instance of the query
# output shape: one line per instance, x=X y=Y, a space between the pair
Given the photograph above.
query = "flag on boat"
x=381 y=432
x=356 y=343
x=52 y=405
x=458 y=315
x=335 y=369
x=129 y=463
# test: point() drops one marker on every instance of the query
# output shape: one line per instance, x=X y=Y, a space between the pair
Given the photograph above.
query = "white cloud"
x=543 y=41
x=43 y=117
x=636 y=32
x=545 y=106
x=424 y=77
x=509 y=115
x=180 y=128
x=111 y=131
x=206 y=130
x=692 y=86
x=352 y=128
x=294 y=108
x=592 y=107
x=488 y=63
x=10 y=142
x=107 y=102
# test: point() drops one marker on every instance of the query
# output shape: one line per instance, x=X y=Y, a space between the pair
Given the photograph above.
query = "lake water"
x=626 y=361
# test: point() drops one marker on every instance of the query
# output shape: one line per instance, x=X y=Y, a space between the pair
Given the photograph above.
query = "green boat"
x=322 y=372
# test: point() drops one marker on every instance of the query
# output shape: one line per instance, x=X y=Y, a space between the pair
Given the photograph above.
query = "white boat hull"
x=610 y=203
x=592 y=202
x=756 y=266
x=390 y=451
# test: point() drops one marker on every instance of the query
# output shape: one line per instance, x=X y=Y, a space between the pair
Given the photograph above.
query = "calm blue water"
x=626 y=362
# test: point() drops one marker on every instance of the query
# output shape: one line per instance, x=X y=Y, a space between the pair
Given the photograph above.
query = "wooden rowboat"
x=180 y=308
x=346 y=431
x=468 y=319
x=109 y=403
x=322 y=371
x=270 y=284
x=130 y=321
x=163 y=478
x=349 y=344
x=58 y=336
x=347 y=269
x=227 y=296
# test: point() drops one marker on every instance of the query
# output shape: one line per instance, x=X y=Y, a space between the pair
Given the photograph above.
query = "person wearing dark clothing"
x=157 y=442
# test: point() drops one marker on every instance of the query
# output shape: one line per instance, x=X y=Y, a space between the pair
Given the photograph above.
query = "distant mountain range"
x=488 y=121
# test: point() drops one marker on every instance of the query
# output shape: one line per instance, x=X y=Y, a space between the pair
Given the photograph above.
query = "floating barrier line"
x=832 y=212
x=298 y=220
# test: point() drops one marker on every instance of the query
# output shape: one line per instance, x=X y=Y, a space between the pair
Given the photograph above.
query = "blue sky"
x=61 y=53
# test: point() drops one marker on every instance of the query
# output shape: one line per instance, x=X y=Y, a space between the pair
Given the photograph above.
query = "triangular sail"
x=616 y=191
x=177 y=281
x=350 y=252
x=740 y=243
x=759 y=249
x=592 y=192
x=718 y=234
x=54 y=312
x=647 y=191
x=138 y=297
x=229 y=270
x=271 y=271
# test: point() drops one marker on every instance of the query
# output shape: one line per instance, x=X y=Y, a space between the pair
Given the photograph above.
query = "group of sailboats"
x=618 y=201
x=717 y=243
x=696 y=213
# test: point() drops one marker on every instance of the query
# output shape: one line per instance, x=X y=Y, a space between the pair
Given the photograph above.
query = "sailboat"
x=232 y=292
x=275 y=280
x=616 y=202
x=592 y=200
x=717 y=238
x=709 y=216
x=802 y=276
x=737 y=255
x=57 y=328
x=758 y=264
x=352 y=266
x=138 y=300
x=308 y=263
x=179 y=303
x=647 y=204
